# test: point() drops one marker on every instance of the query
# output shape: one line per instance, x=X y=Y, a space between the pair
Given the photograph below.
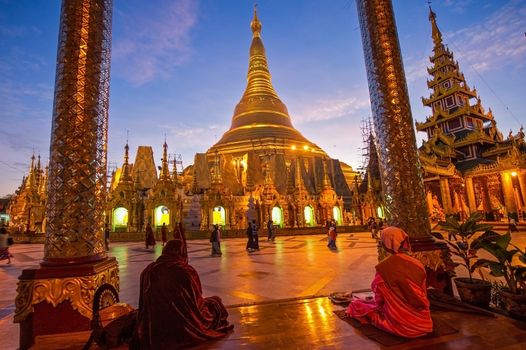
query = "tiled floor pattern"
x=291 y=267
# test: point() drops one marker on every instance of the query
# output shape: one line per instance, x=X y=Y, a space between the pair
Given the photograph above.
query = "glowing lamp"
x=293 y=147
x=514 y=173
x=306 y=148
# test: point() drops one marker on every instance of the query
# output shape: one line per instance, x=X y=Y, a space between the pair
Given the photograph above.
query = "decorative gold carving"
x=401 y=171
x=79 y=291
x=77 y=165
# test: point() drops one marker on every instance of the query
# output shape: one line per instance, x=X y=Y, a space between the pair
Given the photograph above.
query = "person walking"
x=250 y=241
x=150 y=238
x=107 y=237
x=215 y=239
x=5 y=242
x=255 y=236
x=332 y=238
x=270 y=229
x=164 y=233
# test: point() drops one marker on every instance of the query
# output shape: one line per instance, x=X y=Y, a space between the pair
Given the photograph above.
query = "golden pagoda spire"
x=125 y=175
x=31 y=179
x=260 y=114
x=165 y=172
x=435 y=32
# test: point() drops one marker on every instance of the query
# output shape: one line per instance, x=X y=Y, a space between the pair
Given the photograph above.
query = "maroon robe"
x=172 y=311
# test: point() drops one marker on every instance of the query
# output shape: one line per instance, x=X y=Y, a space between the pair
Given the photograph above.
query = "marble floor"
x=295 y=268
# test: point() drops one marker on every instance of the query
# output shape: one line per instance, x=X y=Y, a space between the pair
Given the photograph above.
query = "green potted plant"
x=464 y=239
x=510 y=263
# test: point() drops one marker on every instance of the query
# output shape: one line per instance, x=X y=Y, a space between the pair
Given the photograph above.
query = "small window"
x=469 y=122
x=450 y=101
x=446 y=84
x=454 y=124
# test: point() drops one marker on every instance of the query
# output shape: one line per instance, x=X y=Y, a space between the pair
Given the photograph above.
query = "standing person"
x=270 y=228
x=215 y=239
x=107 y=237
x=332 y=238
x=255 y=236
x=4 y=245
x=164 y=232
x=250 y=242
x=374 y=228
x=176 y=231
x=150 y=238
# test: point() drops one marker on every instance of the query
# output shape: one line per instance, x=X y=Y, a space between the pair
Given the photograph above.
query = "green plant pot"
x=514 y=304
x=477 y=292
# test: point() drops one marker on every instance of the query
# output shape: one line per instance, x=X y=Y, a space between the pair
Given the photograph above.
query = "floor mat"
x=440 y=328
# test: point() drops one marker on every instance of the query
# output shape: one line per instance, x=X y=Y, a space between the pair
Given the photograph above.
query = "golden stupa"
x=261 y=120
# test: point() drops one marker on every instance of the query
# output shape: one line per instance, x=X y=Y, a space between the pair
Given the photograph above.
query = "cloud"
x=495 y=42
x=330 y=108
x=154 y=45
x=417 y=69
x=458 y=6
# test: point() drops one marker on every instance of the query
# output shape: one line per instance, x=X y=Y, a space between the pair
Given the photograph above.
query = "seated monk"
x=172 y=311
x=400 y=305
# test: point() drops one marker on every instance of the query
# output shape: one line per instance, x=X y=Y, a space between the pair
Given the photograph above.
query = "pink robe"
x=400 y=305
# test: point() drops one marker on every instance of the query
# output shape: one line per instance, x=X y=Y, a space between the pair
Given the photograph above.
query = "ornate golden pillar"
x=508 y=192
x=58 y=297
x=446 y=195
x=400 y=167
x=399 y=163
x=470 y=191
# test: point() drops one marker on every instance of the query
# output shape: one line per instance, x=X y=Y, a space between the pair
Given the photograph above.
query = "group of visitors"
x=171 y=294
x=150 y=237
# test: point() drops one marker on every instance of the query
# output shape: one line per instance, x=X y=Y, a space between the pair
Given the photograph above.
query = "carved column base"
x=436 y=259
x=60 y=299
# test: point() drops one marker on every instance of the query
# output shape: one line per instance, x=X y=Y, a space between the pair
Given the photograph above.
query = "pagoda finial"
x=435 y=32
x=126 y=153
x=165 y=172
x=256 y=24
x=125 y=174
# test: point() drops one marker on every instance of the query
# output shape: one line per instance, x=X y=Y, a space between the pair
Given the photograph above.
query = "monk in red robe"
x=400 y=305
x=172 y=311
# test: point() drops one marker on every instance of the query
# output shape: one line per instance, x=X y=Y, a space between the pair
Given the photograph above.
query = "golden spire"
x=165 y=172
x=125 y=175
x=31 y=179
x=435 y=32
x=260 y=114
x=256 y=24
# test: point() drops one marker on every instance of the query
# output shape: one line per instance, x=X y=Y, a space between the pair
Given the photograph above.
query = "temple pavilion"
x=468 y=165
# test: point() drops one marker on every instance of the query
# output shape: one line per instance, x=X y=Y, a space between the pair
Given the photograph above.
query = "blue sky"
x=179 y=68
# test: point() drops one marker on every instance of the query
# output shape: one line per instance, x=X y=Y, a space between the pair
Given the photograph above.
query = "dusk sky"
x=179 y=68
